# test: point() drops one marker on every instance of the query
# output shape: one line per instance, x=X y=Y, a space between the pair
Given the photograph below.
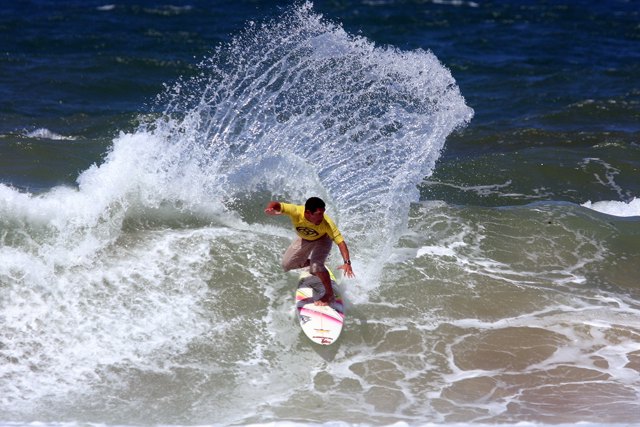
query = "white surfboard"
x=322 y=324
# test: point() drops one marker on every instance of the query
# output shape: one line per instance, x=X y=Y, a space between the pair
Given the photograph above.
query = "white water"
x=47 y=134
x=616 y=208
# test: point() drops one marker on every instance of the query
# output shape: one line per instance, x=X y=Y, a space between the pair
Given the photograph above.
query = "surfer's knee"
x=287 y=266
x=317 y=267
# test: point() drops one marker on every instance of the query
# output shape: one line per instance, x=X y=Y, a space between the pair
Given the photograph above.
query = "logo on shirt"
x=306 y=231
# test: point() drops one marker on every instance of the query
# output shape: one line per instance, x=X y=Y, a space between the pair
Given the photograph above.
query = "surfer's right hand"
x=273 y=208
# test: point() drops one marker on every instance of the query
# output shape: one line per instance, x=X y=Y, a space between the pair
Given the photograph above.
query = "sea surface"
x=481 y=158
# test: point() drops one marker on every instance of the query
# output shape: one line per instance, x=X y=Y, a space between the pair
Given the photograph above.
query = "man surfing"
x=315 y=232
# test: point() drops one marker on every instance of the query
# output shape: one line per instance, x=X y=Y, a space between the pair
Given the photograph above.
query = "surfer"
x=311 y=249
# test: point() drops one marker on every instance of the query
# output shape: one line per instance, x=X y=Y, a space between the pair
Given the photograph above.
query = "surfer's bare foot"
x=325 y=301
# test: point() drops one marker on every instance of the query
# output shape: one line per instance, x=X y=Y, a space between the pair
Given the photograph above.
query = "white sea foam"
x=456 y=3
x=605 y=174
x=78 y=304
x=106 y=7
x=616 y=208
x=44 y=133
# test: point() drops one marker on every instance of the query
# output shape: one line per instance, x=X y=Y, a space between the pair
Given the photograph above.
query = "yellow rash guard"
x=308 y=230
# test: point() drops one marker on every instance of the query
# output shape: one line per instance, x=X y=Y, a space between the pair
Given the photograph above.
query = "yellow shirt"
x=308 y=230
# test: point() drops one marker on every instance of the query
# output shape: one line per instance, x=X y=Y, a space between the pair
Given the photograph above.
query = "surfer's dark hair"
x=313 y=204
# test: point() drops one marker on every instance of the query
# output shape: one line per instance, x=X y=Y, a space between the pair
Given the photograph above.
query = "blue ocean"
x=481 y=159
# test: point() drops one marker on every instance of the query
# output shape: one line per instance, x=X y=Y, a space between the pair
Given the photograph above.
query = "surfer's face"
x=314 y=217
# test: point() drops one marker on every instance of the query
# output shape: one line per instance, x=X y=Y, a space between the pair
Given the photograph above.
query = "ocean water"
x=482 y=160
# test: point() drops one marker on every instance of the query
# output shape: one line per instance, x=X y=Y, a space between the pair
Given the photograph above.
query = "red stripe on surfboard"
x=339 y=310
x=338 y=300
x=325 y=316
